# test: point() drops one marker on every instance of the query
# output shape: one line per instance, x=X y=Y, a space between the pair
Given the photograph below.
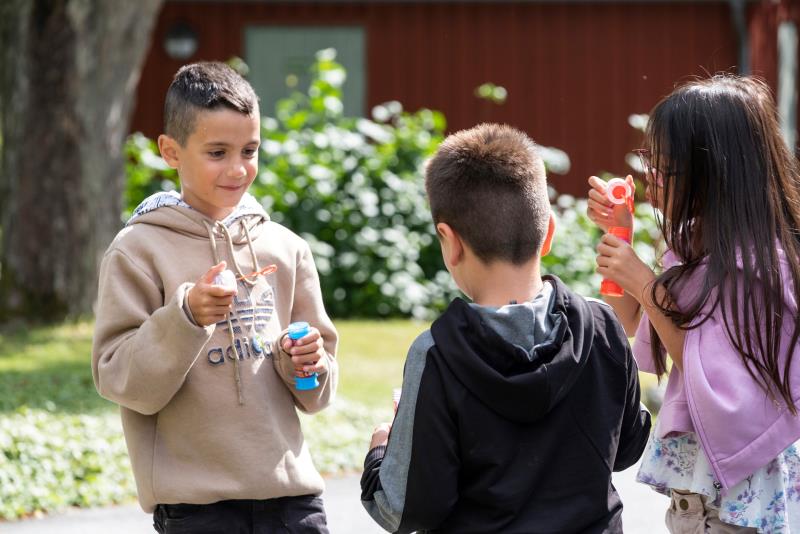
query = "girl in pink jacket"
x=725 y=448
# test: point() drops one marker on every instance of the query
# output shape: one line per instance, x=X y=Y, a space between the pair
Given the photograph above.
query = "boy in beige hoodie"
x=203 y=372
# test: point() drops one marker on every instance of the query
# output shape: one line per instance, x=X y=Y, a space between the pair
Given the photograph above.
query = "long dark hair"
x=730 y=200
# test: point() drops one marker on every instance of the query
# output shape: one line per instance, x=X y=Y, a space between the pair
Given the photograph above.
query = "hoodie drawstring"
x=241 y=276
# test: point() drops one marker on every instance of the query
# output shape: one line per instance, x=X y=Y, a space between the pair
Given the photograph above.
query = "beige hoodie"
x=196 y=433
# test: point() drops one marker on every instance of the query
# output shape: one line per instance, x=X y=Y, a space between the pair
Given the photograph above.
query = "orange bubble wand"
x=618 y=192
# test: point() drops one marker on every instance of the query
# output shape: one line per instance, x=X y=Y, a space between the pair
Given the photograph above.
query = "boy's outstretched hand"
x=308 y=353
x=210 y=303
x=601 y=211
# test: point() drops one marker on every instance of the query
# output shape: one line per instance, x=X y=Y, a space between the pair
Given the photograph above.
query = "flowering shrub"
x=352 y=187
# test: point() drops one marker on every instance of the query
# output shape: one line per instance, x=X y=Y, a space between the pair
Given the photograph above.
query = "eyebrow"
x=224 y=144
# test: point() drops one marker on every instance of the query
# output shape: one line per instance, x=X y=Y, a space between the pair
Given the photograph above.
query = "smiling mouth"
x=231 y=187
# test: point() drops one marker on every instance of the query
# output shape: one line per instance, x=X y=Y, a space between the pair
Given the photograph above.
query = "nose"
x=237 y=170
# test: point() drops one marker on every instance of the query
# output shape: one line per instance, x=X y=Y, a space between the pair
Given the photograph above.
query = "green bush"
x=50 y=461
x=145 y=172
x=352 y=187
x=338 y=437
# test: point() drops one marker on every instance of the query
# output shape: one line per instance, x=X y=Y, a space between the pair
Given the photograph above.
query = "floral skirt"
x=768 y=500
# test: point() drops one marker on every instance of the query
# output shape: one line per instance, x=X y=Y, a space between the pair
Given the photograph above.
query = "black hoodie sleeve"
x=413 y=486
x=635 y=421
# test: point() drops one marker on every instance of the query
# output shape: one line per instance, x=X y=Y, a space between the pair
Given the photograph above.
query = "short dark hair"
x=488 y=183
x=202 y=86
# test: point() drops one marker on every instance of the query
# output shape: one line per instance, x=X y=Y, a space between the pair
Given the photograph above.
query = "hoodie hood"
x=522 y=359
x=166 y=208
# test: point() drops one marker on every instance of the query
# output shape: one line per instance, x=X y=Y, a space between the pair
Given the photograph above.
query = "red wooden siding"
x=574 y=70
x=764 y=18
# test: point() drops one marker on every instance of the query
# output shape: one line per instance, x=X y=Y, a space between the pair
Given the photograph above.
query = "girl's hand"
x=308 y=353
x=601 y=211
x=210 y=303
x=617 y=261
x=380 y=436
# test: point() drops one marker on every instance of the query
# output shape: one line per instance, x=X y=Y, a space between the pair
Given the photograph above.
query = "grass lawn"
x=50 y=368
x=61 y=444
x=371 y=358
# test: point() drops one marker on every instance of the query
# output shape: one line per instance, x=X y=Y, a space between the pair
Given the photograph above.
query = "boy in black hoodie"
x=516 y=407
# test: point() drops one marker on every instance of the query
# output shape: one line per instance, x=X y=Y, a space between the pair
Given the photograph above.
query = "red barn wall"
x=574 y=71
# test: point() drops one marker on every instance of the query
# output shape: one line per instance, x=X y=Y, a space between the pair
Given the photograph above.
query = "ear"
x=548 y=239
x=452 y=247
x=170 y=150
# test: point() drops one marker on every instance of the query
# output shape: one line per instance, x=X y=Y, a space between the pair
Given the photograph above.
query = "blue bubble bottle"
x=302 y=383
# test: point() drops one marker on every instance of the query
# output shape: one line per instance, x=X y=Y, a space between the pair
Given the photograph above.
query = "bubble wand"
x=303 y=381
x=618 y=192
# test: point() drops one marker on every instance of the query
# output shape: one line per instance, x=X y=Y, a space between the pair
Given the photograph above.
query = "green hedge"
x=50 y=461
x=338 y=436
x=353 y=188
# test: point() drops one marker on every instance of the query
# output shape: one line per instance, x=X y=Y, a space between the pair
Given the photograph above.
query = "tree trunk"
x=68 y=75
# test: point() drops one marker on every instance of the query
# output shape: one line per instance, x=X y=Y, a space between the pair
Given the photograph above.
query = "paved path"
x=643 y=513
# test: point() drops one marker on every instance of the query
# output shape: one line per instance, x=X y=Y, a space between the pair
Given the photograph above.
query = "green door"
x=280 y=54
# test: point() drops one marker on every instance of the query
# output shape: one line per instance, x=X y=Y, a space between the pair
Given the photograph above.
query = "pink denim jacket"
x=739 y=427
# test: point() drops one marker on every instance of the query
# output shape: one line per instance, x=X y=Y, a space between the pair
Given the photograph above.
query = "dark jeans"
x=285 y=515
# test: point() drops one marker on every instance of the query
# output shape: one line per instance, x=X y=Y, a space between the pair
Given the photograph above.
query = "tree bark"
x=68 y=75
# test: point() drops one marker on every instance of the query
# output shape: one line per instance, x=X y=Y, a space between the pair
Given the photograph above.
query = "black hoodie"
x=511 y=420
